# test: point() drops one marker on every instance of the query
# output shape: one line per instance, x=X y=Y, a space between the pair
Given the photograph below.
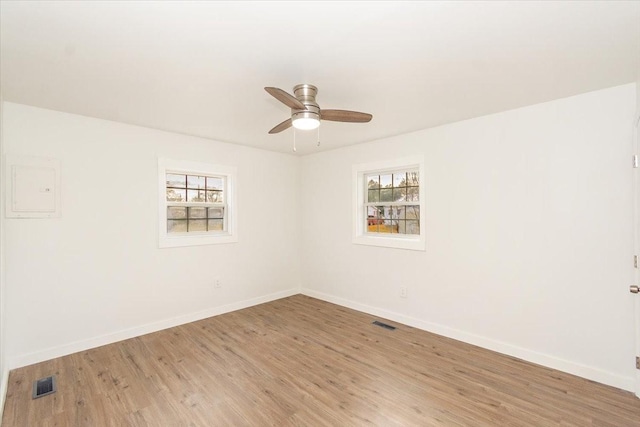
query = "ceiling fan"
x=305 y=111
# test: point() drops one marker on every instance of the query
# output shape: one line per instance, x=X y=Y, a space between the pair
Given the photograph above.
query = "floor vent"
x=44 y=386
x=384 y=325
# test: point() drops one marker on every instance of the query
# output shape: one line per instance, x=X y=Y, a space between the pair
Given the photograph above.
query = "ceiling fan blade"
x=345 y=116
x=288 y=100
x=282 y=126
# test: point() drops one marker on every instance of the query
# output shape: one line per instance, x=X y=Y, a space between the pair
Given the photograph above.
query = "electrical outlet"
x=403 y=291
x=216 y=283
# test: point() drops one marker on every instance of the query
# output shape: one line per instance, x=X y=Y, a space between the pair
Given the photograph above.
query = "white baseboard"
x=74 y=347
x=570 y=367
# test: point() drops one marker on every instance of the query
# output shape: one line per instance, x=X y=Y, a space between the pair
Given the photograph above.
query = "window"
x=197 y=203
x=389 y=204
x=393 y=202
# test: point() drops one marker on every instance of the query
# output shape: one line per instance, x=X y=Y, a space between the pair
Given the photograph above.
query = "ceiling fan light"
x=306 y=119
x=306 y=123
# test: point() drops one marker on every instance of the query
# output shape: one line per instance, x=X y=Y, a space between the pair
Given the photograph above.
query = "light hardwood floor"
x=300 y=361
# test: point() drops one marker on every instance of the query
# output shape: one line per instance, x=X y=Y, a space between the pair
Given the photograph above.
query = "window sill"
x=397 y=242
x=196 y=239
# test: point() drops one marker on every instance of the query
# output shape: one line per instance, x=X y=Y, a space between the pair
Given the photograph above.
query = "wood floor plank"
x=299 y=361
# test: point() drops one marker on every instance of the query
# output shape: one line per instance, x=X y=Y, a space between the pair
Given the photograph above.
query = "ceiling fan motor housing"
x=307 y=95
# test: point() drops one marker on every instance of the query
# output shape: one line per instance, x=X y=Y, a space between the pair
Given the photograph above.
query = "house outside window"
x=197 y=203
x=389 y=204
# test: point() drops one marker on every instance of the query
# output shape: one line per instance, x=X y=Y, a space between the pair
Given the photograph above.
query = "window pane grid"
x=390 y=202
x=195 y=203
x=194 y=188
x=392 y=187
x=194 y=219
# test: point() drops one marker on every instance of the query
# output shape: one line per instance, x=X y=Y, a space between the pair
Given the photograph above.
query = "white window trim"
x=360 y=235
x=166 y=240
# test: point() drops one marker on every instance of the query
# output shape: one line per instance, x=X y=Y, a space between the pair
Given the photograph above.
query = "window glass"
x=388 y=200
x=197 y=182
x=194 y=203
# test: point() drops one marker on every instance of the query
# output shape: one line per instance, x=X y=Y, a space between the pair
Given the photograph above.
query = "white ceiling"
x=199 y=68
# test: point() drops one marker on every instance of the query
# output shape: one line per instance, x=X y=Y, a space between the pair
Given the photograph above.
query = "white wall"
x=529 y=234
x=4 y=371
x=96 y=275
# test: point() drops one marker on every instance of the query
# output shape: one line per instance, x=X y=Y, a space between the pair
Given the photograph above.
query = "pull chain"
x=294 y=140
x=318 y=136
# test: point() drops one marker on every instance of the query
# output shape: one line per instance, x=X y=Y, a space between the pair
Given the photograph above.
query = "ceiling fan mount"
x=306 y=94
x=305 y=111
